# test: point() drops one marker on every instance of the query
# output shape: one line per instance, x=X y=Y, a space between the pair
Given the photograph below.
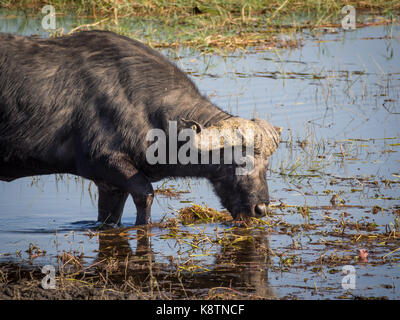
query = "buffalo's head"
x=244 y=149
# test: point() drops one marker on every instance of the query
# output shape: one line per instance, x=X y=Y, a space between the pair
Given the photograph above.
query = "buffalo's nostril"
x=260 y=210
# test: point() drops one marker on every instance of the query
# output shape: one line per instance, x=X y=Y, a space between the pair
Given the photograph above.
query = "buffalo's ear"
x=192 y=125
x=278 y=130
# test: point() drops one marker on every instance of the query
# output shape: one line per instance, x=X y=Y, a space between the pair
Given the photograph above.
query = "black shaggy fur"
x=83 y=104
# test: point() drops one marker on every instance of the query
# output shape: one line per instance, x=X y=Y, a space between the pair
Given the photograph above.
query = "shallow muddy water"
x=334 y=183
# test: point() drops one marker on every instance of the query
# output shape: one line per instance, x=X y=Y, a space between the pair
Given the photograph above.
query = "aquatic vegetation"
x=221 y=26
x=200 y=214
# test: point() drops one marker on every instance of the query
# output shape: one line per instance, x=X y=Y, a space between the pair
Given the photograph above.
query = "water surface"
x=337 y=98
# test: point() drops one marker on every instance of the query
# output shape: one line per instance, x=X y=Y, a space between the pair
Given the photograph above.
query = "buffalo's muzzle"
x=260 y=210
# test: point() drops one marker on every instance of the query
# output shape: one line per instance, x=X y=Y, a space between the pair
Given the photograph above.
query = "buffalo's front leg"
x=118 y=177
x=143 y=196
x=111 y=203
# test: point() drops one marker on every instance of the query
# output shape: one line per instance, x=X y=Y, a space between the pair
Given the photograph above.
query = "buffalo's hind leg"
x=111 y=203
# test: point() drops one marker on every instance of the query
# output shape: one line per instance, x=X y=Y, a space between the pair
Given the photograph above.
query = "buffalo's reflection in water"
x=239 y=270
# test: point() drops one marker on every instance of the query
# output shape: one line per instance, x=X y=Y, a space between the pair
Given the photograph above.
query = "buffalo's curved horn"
x=271 y=136
x=257 y=133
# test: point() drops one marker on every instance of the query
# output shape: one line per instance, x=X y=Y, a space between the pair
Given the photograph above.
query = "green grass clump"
x=199 y=214
x=246 y=11
x=217 y=25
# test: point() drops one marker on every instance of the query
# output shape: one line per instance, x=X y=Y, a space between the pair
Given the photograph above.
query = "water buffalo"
x=84 y=104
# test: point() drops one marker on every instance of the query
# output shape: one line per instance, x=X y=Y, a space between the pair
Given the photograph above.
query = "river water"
x=337 y=98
